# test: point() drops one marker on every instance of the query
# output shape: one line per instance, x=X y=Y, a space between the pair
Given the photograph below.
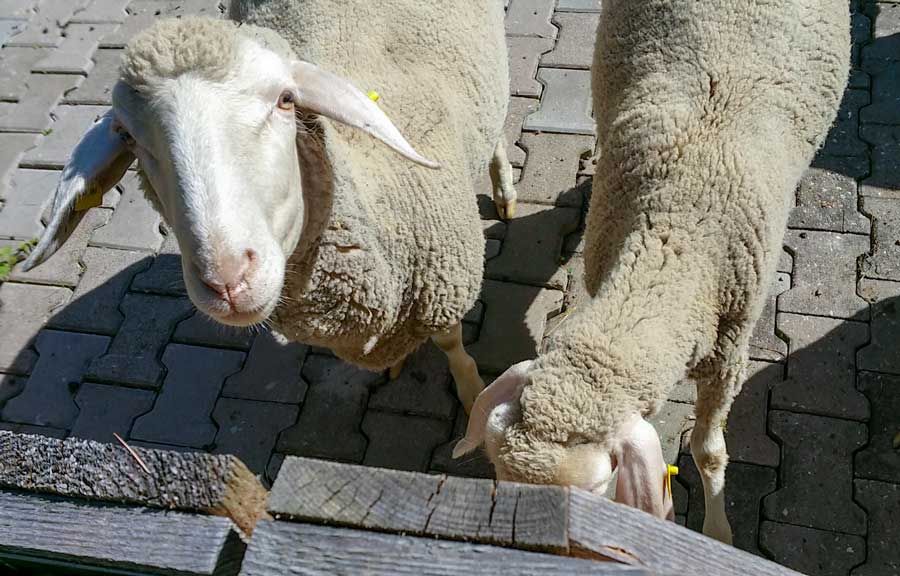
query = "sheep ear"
x=97 y=164
x=506 y=388
x=642 y=469
x=324 y=93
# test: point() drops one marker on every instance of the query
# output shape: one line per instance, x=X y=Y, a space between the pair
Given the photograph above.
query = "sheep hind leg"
x=502 y=181
x=463 y=368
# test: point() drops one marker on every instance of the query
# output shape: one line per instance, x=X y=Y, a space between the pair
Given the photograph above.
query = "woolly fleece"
x=707 y=117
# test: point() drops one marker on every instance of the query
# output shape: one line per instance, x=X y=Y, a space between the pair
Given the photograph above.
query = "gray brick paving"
x=249 y=429
x=766 y=344
x=104 y=409
x=881 y=353
x=882 y=502
x=271 y=372
x=530 y=18
x=24 y=311
x=524 y=55
x=135 y=224
x=101 y=11
x=827 y=200
x=549 y=176
x=747 y=438
x=41 y=94
x=402 y=442
x=571 y=50
x=25 y=197
x=423 y=388
x=71 y=123
x=565 y=105
x=884 y=262
x=97 y=87
x=812 y=551
x=880 y=460
x=203 y=331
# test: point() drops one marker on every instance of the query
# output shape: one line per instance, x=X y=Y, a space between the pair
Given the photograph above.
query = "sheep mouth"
x=243 y=318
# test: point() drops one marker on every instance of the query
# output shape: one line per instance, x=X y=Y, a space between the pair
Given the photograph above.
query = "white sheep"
x=250 y=144
x=707 y=116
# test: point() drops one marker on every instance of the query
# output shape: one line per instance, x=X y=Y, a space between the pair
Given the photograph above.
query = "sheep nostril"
x=216 y=287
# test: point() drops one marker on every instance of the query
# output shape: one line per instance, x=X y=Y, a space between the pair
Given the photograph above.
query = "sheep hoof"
x=507 y=211
x=396 y=369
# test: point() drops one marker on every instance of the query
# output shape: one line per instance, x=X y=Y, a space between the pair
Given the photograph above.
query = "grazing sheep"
x=707 y=117
x=284 y=212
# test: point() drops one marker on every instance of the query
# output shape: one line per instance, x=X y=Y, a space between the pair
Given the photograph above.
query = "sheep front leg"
x=463 y=368
x=502 y=180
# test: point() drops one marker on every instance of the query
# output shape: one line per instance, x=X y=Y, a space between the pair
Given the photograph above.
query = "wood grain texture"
x=600 y=528
x=479 y=510
x=288 y=548
x=117 y=537
x=190 y=481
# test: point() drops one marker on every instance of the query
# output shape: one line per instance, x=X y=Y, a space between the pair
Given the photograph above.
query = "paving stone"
x=271 y=372
x=424 y=387
x=402 y=442
x=64 y=267
x=550 y=172
x=37 y=430
x=811 y=551
x=24 y=309
x=101 y=11
x=859 y=80
x=821 y=371
x=843 y=138
x=884 y=179
x=884 y=261
x=71 y=124
x=578 y=6
x=860 y=34
x=106 y=409
x=143 y=13
x=885 y=46
x=132 y=356
x=134 y=225
x=746 y=429
x=573 y=48
x=9 y=28
x=816 y=467
x=473 y=465
x=10 y=385
x=182 y=412
x=765 y=344
x=882 y=502
x=885 y=107
x=514 y=322
x=515 y=117
x=273 y=467
x=202 y=330
x=73 y=56
x=45 y=18
x=880 y=460
x=94 y=306
x=470 y=333
x=671 y=423
x=12 y=148
x=881 y=353
x=524 y=54
x=824 y=275
x=534 y=237
x=566 y=103
x=25 y=198
x=491 y=249
x=745 y=486
x=15 y=70
x=47 y=399
x=827 y=200
x=164 y=275
x=249 y=429
x=332 y=411
x=32 y=112
x=530 y=18
x=97 y=87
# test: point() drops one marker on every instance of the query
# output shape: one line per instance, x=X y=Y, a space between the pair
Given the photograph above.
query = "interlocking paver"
x=12 y=148
x=132 y=356
x=402 y=442
x=816 y=467
x=97 y=87
x=880 y=460
x=24 y=309
x=578 y=6
x=765 y=344
x=885 y=106
x=859 y=80
x=881 y=353
x=38 y=430
x=515 y=117
x=10 y=385
x=514 y=321
x=566 y=102
x=199 y=329
x=860 y=33
x=530 y=18
x=15 y=68
x=94 y=306
x=47 y=398
x=474 y=464
x=249 y=429
x=884 y=179
x=43 y=24
x=73 y=56
x=824 y=276
x=746 y=429
x=32 y=112
x=332 y=411
x=550 y=171
x=271 y=372
x=164 y=275
x=9 y=28
x=101 y=11
x=885 y=46
x=143 y=13
x=70 y=125
x=24 y=200
x=134 y=225
x=273 y=467
x=671 y=423
x=572 y=51
x=827 y=200
x=534 y=237
x=422 y=388
x=524 y=54
x=106 y=409
x=822 y=367
x=843 y=138
x=884 y=261
x=182 y=414
x=882 y=502
x=812 y=551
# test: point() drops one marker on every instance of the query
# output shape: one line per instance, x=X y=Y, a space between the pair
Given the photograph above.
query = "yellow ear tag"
x=88 y=201
x=373 y=96
x=670 y=471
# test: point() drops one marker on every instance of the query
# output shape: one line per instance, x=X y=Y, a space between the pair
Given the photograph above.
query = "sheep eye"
x=286 y=100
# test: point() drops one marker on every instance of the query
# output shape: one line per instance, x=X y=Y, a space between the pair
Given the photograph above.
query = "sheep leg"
x=502 y=181
x=463 y=368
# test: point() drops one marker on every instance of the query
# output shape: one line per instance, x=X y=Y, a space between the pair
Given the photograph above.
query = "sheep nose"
x=230 y=272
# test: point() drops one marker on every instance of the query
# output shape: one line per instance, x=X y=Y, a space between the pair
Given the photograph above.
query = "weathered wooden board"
x=288 y=548
x=191 y=481
x=600 y=528
x=517 y=515
x=117 y=537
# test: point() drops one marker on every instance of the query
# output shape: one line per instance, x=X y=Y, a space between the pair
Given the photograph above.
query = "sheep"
x=707 y=117
x=248 y=135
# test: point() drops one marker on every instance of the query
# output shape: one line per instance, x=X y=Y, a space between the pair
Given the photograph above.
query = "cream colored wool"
x=707 y=116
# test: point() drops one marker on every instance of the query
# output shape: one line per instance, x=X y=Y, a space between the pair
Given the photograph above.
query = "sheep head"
x=210 y=111
x=523 y=453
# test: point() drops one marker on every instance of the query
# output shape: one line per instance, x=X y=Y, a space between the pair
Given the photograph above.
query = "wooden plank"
x=289 y=548
x=116 y=537
x=602 y=529
x=192 y=481
x=479 y=510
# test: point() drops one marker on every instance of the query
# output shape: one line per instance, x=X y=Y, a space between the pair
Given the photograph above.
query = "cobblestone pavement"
x=102 y=338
